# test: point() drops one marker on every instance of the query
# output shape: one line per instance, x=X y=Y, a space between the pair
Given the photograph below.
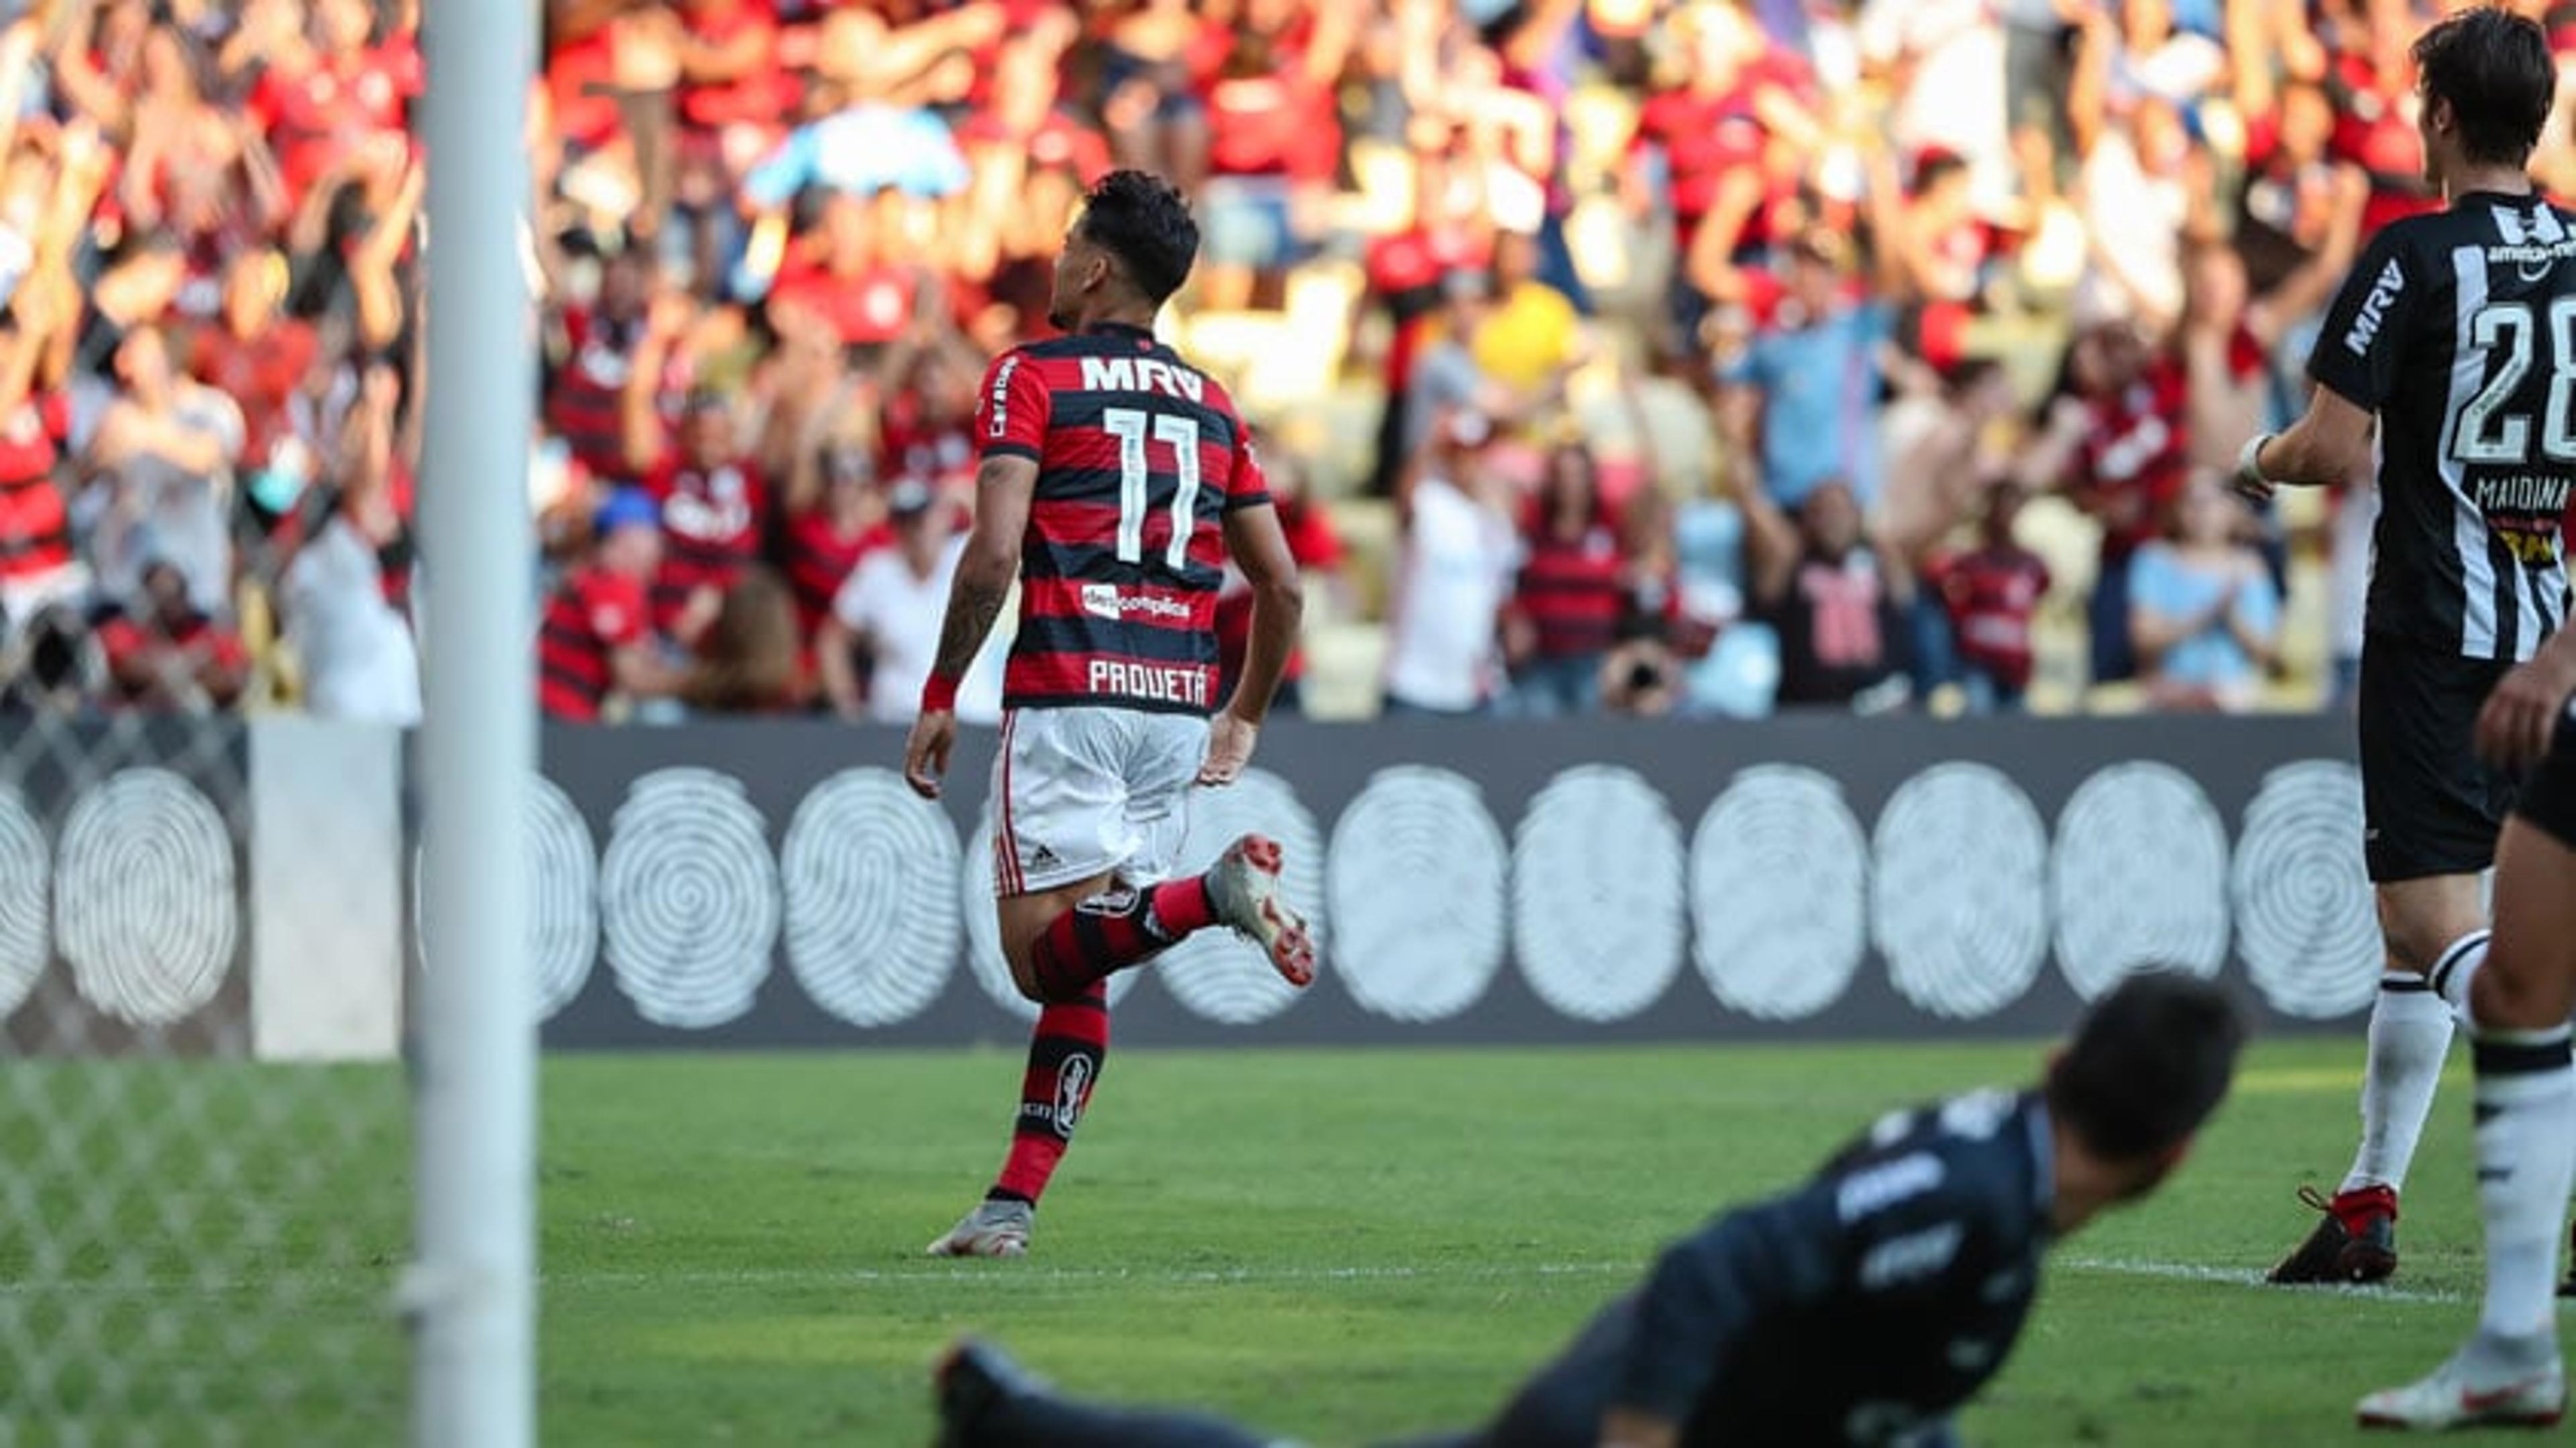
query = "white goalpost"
x=472 y=1291
x=225 y=1121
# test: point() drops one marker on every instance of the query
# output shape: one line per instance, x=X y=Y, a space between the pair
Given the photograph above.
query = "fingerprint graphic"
x=26 y=872
x=2138 y=878
x=2305 y=921
x=1597 y=893
x=145 y=907
x=1217 y=974
x=1779 y=893
x=563 y=896
x=984 y=930
x=689 y=894
x=1959 y=894
x=872 y=927
x=1415 y=881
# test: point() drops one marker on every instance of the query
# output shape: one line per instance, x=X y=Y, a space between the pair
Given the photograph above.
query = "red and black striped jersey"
x=585 y=396
x=1572 y=591
x=589 y=618
x=713 y=521
x=1140 y=457
x=820 y=558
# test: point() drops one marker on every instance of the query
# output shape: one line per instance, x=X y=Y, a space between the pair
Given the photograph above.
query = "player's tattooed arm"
x=973 y=607
x=1004 y=485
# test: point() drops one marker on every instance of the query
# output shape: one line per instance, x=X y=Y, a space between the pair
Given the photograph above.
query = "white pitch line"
x=1019 y=1277
x=2243 y=1277
x=1219 y=1275
x=1013 y=1276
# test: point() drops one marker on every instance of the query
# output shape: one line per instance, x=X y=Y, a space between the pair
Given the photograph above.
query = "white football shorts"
x=1086 y=791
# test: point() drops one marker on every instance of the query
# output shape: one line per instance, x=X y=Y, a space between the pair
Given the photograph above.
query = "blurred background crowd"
x=1694 y=358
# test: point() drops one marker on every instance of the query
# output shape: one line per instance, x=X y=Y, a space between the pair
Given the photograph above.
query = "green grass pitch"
x=1348 y=1245
x=1339 y=1245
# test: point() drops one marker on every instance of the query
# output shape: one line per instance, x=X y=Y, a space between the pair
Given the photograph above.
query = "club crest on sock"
x=1072 y=1083
x=1116 y=900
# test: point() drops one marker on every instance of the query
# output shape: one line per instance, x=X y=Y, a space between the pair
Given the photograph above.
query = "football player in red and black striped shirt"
x=1115 y=482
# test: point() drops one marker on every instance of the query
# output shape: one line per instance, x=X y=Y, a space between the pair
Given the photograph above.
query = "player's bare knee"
x=2420 y=920
x=2411 y=945
x=2518 y=991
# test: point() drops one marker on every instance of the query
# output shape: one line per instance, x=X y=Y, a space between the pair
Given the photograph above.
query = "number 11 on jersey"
x=1135 y=478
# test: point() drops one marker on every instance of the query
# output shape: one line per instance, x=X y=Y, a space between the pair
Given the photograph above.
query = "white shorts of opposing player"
x=1083 y=791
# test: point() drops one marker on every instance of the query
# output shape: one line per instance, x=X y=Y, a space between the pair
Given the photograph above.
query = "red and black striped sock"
x=1112 y=930
x=1065 y=1055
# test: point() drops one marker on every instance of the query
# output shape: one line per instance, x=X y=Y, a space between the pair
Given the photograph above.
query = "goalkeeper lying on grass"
x=1864 y=1307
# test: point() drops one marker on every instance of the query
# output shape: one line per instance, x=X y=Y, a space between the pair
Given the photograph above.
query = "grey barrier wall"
x=761 y=885
x=248 y=889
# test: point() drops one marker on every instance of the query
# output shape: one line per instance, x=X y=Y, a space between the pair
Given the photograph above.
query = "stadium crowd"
x=1696 y=358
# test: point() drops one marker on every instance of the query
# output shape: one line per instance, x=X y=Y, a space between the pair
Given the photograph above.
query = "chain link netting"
x=197 y=1245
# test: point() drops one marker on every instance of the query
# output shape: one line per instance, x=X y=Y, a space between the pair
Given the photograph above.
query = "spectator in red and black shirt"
x=848 y=278
x=2375 y=129
x=1275 y=141
x=927 y=426
x=1565 y=616
x=36 y=561
x=1991 y=593
x=715 y=512
x=1317 y=550
x=597 y=636
x=165 y=654
x=588 y=384
x=827 y=540
x=1021 y=122
x=1727 y=175
x=735 y=90
x=2123 y=438
x=319 y=101
x=257 y=355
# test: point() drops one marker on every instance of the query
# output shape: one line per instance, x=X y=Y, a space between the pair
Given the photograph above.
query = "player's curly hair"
x=1141 y=219
x=2495 y=69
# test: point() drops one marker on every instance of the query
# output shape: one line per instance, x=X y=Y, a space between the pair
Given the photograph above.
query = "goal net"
x=203 y=1140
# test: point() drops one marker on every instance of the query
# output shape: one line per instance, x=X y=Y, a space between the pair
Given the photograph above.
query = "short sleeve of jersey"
x=1011 y=410
x=1245 y=487
x=2356 y=355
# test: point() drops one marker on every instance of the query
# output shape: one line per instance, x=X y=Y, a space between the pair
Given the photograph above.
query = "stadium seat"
x=1370 y=539
x=1343 y=664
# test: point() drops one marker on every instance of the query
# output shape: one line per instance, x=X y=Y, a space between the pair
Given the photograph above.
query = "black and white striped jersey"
x=2459 y=330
